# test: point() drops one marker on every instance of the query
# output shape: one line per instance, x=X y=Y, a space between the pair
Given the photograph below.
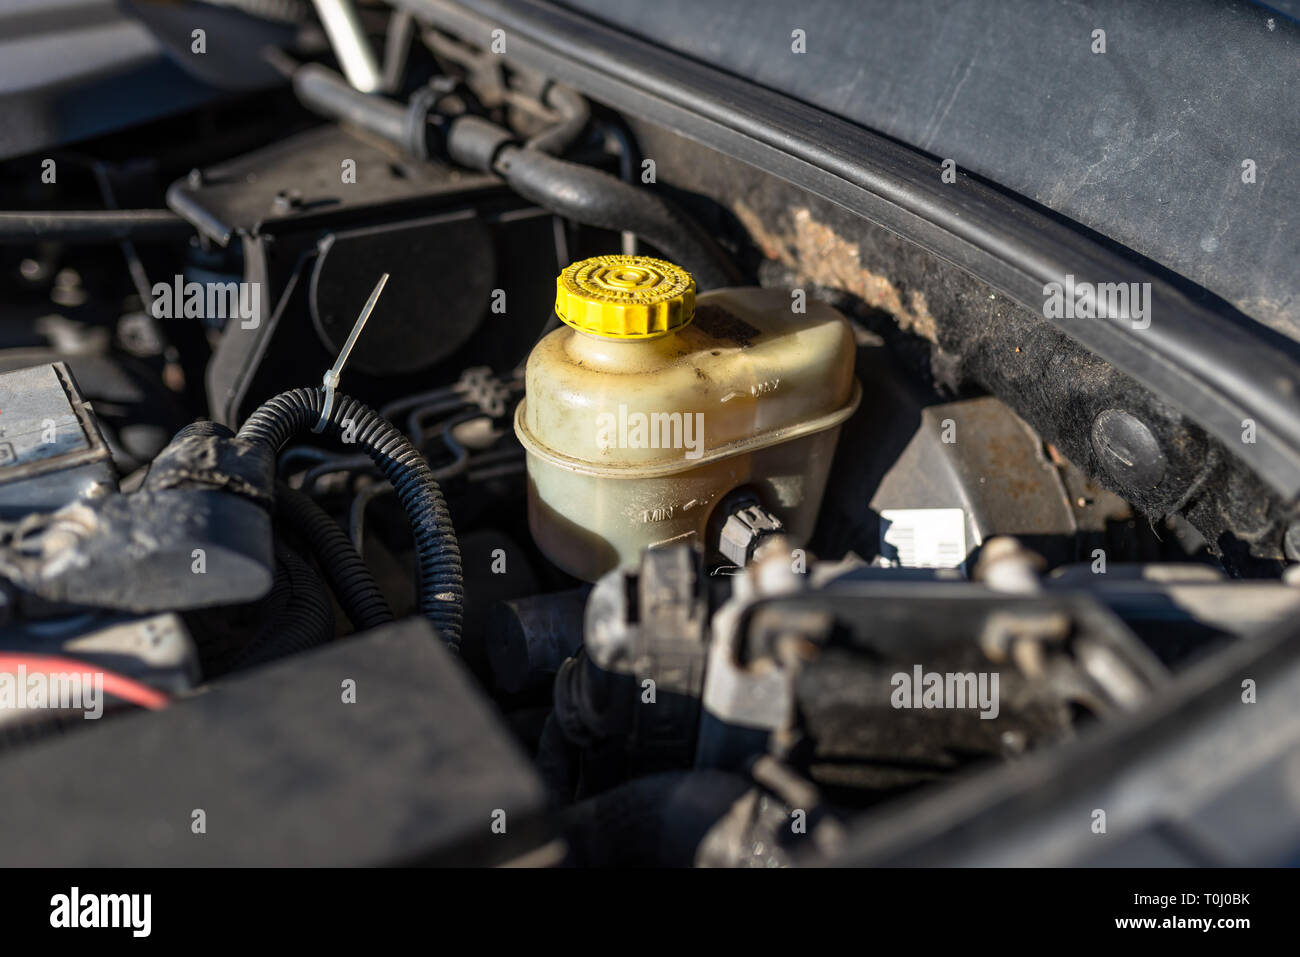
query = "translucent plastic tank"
x=648 y=406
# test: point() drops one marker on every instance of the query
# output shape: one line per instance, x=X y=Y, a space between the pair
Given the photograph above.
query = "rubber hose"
x=322 y=90
x=348 y=575
x=581 y=193
x=655 y=821
x=574 y=114
x=593 y=197
x=304 y=621
x=557 y=762
x=441 y=588
x=93 y=226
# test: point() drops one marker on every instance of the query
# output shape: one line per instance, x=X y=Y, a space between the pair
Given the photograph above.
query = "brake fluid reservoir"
x=649 y=405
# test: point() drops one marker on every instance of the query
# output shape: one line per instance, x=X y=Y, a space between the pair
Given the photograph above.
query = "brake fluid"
x=649 y=405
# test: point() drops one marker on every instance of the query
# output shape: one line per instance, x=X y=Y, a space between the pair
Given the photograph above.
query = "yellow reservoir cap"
x=625 y=297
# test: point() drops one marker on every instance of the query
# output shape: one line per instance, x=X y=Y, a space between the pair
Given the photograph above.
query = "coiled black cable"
x=441 y=588
x=350 y=578
x=303 y=618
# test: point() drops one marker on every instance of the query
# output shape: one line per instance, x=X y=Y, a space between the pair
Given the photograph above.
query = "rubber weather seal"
x=1193 y=355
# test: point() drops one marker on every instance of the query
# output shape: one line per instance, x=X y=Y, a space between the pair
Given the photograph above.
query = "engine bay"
x=497 y=477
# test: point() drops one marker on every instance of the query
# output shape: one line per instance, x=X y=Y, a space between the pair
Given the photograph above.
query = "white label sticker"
x=923 y=537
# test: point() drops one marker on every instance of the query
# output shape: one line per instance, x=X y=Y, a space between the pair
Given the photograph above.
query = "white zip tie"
x=330 y=379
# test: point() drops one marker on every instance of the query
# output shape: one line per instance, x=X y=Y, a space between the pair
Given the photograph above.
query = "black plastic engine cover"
x=415 y=771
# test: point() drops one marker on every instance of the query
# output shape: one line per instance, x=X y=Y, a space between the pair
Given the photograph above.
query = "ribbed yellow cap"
x=625 y=297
